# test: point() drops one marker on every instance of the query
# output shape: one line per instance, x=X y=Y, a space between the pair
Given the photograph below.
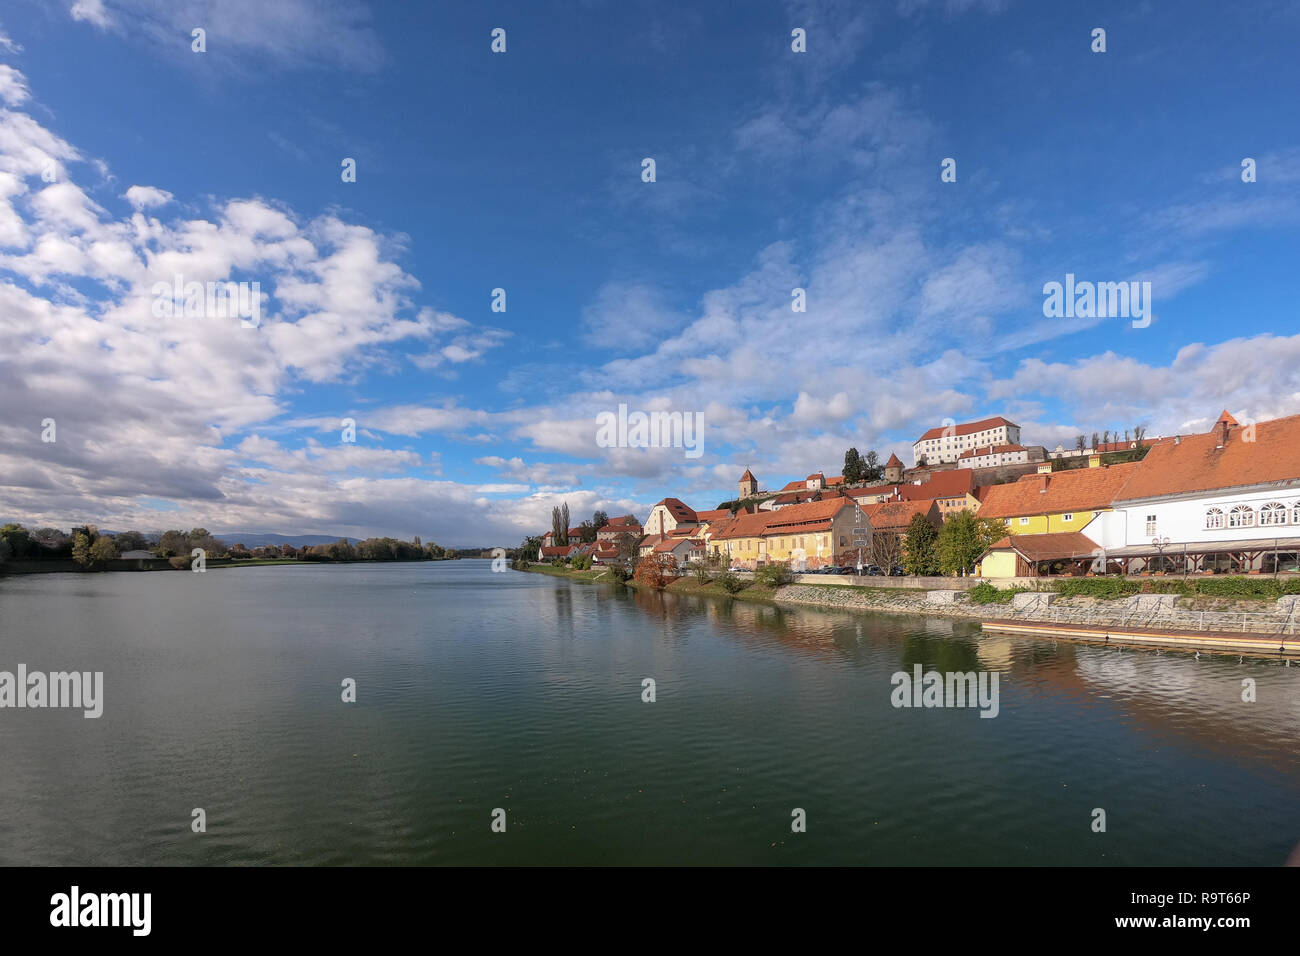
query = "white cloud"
x=147 y=197
x=91 y=11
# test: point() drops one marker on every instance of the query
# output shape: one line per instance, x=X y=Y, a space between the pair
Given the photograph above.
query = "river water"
x=479 y=691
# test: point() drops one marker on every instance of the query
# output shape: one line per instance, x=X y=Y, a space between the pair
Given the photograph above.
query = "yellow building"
x=807 y=536
x=1056 y=502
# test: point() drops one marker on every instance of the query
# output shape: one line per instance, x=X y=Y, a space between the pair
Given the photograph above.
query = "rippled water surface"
x=479 y=690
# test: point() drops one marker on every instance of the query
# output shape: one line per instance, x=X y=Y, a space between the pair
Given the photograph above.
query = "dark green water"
x=479 y=690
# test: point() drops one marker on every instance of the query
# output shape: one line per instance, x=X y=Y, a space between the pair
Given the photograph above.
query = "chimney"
x=1094 y=460
x=1178 y=439
x=1045 y=468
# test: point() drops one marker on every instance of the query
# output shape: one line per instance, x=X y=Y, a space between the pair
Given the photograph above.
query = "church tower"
x=748 y=484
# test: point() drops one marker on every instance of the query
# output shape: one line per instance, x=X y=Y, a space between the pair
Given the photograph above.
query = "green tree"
x=920 y=555
x=173 y=544
x=91 y=549
x=872 y=470
x=17 y=538
x=853 y=466
x=962 y=539
x=600 y=519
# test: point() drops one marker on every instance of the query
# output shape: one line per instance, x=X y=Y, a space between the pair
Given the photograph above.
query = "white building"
x=947 y=443
x=1226 y=500
x=991 y=456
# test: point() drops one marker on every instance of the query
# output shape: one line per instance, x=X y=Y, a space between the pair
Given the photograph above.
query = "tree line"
x=93 y=549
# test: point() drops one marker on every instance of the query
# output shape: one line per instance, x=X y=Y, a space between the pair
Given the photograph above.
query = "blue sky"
x=522 y=171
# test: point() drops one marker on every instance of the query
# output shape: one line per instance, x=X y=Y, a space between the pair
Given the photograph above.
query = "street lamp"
x=1160 y=544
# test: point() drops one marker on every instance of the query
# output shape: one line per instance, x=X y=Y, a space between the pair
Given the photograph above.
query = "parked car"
x=844 y=569
x=896 y=572
x=872 y=570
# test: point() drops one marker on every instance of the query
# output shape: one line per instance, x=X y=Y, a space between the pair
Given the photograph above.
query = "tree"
x=90 y=549
x=131 y=541
x=17 y=538
x=962 y=539
x=886 y=549
x=1080 y=443
x=871 y=467
x=560 y=525
x=1139 y=431
x=173 y=544
x=5 y=551
x=919 y=552
x=600 y=519
x=587 y=532
x=628 y=546
x=853 y=467
x=103 y=550
x=1095 y=440
x=656 y=571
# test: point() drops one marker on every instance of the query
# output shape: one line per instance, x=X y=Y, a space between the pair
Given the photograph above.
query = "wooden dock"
x=1261 y=645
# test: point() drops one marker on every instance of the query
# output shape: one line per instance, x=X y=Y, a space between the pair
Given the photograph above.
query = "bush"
x=1240 y=587
x=731 y=583
x=773 y=575
x=1107 y=589
x=986 y=593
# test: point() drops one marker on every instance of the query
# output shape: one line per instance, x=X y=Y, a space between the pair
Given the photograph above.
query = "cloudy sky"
x=128 y=159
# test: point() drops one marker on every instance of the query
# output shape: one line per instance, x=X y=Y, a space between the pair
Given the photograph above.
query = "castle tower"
x=893 y=470
x=748 y=484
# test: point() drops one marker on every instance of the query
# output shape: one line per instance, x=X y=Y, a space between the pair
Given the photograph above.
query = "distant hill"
x=260 y=539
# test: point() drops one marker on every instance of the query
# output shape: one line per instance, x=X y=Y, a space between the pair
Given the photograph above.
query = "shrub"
x=986 y=593
x=1107 y=589
x=773 y=575
x=731 y=583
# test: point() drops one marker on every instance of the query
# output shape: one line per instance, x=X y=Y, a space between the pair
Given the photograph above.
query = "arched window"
x=1273 y=513
x=1242 y=516
x=1295 y=513
x=1214 y=518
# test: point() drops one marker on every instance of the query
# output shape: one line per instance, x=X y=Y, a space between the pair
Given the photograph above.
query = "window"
x=1151 y=524
x=843 y=541
x=1006 y=522
x=1067 y=517
x=1242 y=516
x=1273 y=513
x=1024 y=521
x=1214 y=519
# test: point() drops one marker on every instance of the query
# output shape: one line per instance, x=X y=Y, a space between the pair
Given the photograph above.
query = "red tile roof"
x=893 y=461
x=678 y=509
x=897 y=515
x=1054 y=546
x=1081 y=489
x=715 y=514
x=969 y=428
x=1197 y=463
x=815 y=515
x=627 y=521
x=748 y=476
